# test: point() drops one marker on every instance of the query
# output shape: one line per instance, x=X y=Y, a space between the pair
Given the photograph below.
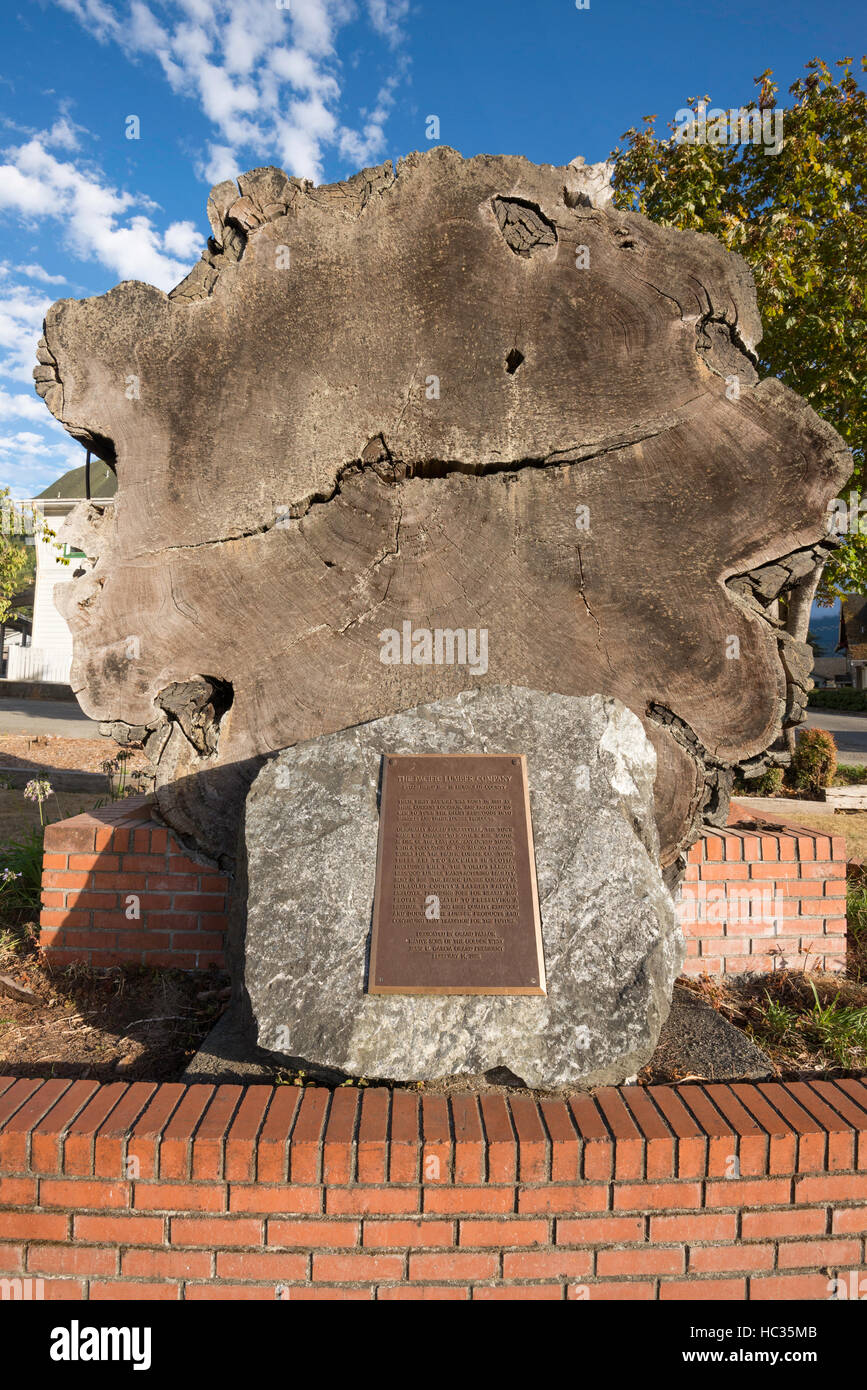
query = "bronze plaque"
x=456 y=908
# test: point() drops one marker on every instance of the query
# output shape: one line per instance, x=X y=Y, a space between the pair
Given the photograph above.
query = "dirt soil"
x=43 y=752
x=134 y=1023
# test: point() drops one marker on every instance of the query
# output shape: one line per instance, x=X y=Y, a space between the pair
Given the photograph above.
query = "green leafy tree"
x=799 y=219
x=13 y=565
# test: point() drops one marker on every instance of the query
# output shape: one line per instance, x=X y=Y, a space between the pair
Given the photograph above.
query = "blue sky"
x=321 y=87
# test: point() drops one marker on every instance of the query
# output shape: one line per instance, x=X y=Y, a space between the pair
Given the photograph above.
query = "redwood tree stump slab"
x=459 y=397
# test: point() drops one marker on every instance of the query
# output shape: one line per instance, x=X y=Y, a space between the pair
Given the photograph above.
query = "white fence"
x=36 y=664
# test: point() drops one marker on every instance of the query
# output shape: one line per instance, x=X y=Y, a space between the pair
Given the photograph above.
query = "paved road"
x=849 y=730
x=61 y=717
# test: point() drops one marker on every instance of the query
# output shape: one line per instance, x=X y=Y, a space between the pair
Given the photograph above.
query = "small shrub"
x=844 y=698
x=21 y=860
x=815 y=760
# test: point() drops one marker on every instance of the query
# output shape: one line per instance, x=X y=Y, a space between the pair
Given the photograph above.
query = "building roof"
x=103 y=483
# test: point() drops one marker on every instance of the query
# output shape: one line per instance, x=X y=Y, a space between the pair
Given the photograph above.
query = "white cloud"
x=267 y=77
x=36 y=272
x=98 y=222
x=21 y=407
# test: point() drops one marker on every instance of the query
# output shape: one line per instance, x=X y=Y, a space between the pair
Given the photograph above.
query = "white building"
x=49 y=654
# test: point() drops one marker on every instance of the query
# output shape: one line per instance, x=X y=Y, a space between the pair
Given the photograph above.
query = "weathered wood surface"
x=293 y=481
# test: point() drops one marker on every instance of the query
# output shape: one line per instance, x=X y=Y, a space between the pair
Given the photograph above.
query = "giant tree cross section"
x=469 y=396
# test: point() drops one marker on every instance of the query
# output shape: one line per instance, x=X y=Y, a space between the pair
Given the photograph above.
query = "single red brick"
x=516 y=1231
x=18 y=1192
x=660 y=1148
x=338 y=1147
x=63 y=878
x=653 y=1260
x=721 y=1259
x=355 y=1267
x=180 y=1196
x=62 y=918
x=121 y=883
x=609 y=1291
x=241 y=1140
x=198 y=902
x=596 y=1142
x=502 y=1147
x=518 y=1293
x=565 y=1144
x=459 y=1264
x=628 y=1139
x=668 y=1196
x=312 y=1235
x=436 y=1139
x=414 y=1235
x=786 y=1287
x=283 y=1199
x=234 y=1293
x=590 y=1196
x=305 y=1144
x=210 y=1137
x=270 y=1264
x=325 y=1293
x=691 y=1138
x=214 y=1232
x=63 y=1290
x=87 y=1261
x=79 y=1194
x=775 y=1225
x=379 y=1201
x=849 y=1221
x=107 y=862
x=177 y=1137
x=120 y=1229
x=196 y=941
x=12 y=1259
x=143 y=1146
x=749 y=1192
x=417 y=1293
x=706 y=1225
x=145 y=863
x=373 y=1135
x=167 y=1264
x=600 y=1230
x=533 y=1154
x=547 y=1264
x=75 y=834
x=135 y=1290
x=405 y=1137
x=812 y=1254
x=34 y=1225
x=714 y=1290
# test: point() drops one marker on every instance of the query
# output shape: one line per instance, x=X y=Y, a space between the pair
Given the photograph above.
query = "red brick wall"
x=691 y=1191
x=756 y=899
x=103 y=868
x=93 y=863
